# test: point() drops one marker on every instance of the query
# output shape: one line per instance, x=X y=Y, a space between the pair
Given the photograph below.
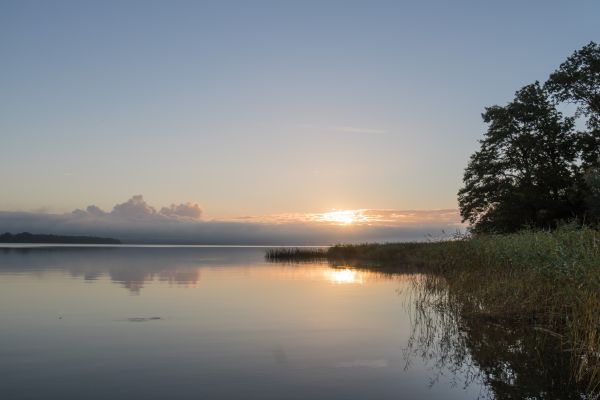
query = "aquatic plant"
x=295 y=254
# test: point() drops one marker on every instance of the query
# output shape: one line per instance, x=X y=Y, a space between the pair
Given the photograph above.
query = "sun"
x=344 y=217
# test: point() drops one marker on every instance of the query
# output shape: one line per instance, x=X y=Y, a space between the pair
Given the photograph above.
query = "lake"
x=158 y=322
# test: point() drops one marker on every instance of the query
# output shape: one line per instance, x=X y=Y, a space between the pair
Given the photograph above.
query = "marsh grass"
x=546 y=281
x=295 y=254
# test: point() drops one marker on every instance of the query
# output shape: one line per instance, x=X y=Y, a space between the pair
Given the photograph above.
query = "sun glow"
x=344 y=217
x=345 y=275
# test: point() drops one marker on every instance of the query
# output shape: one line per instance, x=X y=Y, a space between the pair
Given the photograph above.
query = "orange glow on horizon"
x=344 y=217
x=449 y=218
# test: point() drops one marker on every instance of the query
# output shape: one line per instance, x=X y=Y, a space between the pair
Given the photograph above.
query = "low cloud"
x=95 y=211
x=135 y=221
x=184 y=210
x=136 y=208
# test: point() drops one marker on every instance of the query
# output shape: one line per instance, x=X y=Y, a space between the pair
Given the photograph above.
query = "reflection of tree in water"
x=513 y=361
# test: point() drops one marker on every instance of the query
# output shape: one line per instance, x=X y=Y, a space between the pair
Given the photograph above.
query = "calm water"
x=212 y=323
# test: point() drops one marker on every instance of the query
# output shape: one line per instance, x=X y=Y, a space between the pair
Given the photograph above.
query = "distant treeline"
x=26 y=237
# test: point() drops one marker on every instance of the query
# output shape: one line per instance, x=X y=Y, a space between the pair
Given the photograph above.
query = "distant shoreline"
x=31 y=238
x=4 y=245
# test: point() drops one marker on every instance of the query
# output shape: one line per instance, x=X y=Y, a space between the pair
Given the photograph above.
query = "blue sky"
x=256 y=108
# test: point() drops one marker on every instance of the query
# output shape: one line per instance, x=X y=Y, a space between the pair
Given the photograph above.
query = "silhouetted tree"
x=533 y=167
x=524 y=171
x=592 y=194
x=577 y=81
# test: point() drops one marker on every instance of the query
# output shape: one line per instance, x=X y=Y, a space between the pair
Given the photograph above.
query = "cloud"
x=135 y=221
x=135 y=207
x=184 y=210
x=95 y=211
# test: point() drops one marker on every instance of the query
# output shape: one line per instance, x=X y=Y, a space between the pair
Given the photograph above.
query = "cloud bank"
x=135 y=221
x=137 y=208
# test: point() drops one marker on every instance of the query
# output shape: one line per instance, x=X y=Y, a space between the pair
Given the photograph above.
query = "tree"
x=533 y=168
x=577 y=81
x=592 y=195
x=525 y=170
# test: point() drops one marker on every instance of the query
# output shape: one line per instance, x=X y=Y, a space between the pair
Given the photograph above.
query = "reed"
x=295 y=254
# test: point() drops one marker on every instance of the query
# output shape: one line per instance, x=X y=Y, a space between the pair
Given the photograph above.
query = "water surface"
x=212 y=323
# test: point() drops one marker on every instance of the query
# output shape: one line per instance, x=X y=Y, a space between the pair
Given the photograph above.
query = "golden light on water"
x=345 y=275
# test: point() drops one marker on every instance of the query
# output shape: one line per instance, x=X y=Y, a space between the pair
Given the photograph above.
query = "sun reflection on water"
x=346 y=275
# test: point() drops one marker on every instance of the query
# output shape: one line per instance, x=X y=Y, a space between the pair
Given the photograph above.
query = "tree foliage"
x=533 y=167
x=577 y=81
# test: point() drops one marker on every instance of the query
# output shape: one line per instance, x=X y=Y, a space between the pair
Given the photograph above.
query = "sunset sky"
x=260 y=112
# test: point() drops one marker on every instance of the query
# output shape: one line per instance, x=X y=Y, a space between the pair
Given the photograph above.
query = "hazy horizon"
x=136 y=221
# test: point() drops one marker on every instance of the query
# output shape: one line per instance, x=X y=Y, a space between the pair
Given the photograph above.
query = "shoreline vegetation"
x=547 y=281
x=26 y=237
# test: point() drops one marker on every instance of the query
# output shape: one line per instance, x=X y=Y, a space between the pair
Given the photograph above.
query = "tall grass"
x=295 y=254
x=547 y=280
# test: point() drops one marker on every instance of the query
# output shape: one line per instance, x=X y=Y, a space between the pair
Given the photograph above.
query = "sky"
x=252 y=110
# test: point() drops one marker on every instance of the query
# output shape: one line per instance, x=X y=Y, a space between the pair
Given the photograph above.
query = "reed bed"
x=295 y=254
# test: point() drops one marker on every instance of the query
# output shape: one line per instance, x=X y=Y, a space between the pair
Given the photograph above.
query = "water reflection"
x=130 y=267
x=249 y=329
x=133 y=268
x=276 y=331
x=345 y=275
x=508 y=360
